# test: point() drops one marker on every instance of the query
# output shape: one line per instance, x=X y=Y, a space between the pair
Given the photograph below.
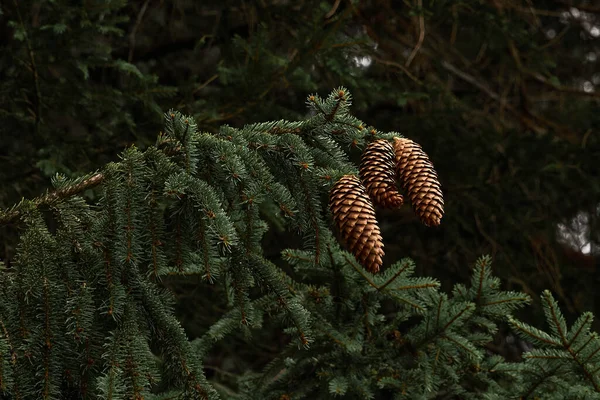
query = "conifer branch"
x=536 y=334
x=341 y=97
x=52 y=197
x=584 y=345
x=517 y=299
x=558 y=322
x=360 y=271
x=587 y=319
x=161 y=213
x=393 y=278
x=404 y=300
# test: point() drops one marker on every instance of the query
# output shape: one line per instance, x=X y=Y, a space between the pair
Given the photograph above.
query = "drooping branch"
x=52 y=197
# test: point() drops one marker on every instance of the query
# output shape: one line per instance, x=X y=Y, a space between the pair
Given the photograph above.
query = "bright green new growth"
x=83 y=313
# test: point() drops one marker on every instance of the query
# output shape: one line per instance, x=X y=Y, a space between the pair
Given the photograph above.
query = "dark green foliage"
x=84 y=312
x=508 y=88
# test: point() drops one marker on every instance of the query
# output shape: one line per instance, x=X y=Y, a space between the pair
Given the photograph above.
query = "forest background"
x=501 y=94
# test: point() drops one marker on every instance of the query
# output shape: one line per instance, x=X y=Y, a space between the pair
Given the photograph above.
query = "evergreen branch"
x=503 y=301
x=557 y=319
x=13 y=357
x=313 y=219
x=412 y=304
x=583 y=324
x=545 y=376
x=468 y=307
x=340 y=99
x=463 y=344
x=206 y=210
x=419 y=286
x=543 y=357
x=178 y=349
x=359 y=270
x=267 y=271
x=529 y=331
x=294 y=256
x=559 y=322
x=592 y=354
x=584 y=345
x=482 y=264
x=315 y=101
x=439 y=310
x=52 y=197
x=48 y=342
x=396 y=275
x=108 y=274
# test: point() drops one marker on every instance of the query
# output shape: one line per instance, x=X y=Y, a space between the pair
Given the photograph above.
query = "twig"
x=471 y=79
x=582 y=7
x=202 y=86
x=138 y=21
x=556 y=38
x=333 y=9
x=537 y=11
x=532 y=121
x=36 y=78
x=50 y=198
x=421 y=35
x=586 y=135
x=401 y=67
x=560 y=88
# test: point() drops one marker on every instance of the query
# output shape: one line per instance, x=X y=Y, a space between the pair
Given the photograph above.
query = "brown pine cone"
x=354 y=216
x=377 y=172
x=418 y=177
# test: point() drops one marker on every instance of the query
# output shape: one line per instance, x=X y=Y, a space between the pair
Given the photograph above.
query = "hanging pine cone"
x=354 y=216
x=418 y=177
x=378 y=175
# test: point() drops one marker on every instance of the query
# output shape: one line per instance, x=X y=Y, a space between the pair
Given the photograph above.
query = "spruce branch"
x=51 y=198
x=562 y=344
x=201 y=203
x=407 y=263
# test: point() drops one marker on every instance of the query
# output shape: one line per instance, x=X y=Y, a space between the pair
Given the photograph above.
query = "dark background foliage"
x=501 y=94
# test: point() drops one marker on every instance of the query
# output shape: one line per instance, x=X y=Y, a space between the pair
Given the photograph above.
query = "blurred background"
x=503 y=95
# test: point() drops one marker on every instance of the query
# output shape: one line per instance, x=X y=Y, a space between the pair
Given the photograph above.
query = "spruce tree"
x=508 y=88
x=84 y=313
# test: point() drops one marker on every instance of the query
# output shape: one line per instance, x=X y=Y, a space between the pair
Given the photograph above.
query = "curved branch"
x=421 y=35
x=52 y=197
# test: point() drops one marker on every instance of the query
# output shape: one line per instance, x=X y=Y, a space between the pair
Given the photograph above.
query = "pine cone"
x=378 y=175
x=354 y=216
x=418 y=177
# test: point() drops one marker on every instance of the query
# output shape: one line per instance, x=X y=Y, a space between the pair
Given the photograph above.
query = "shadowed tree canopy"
x=501 y=94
